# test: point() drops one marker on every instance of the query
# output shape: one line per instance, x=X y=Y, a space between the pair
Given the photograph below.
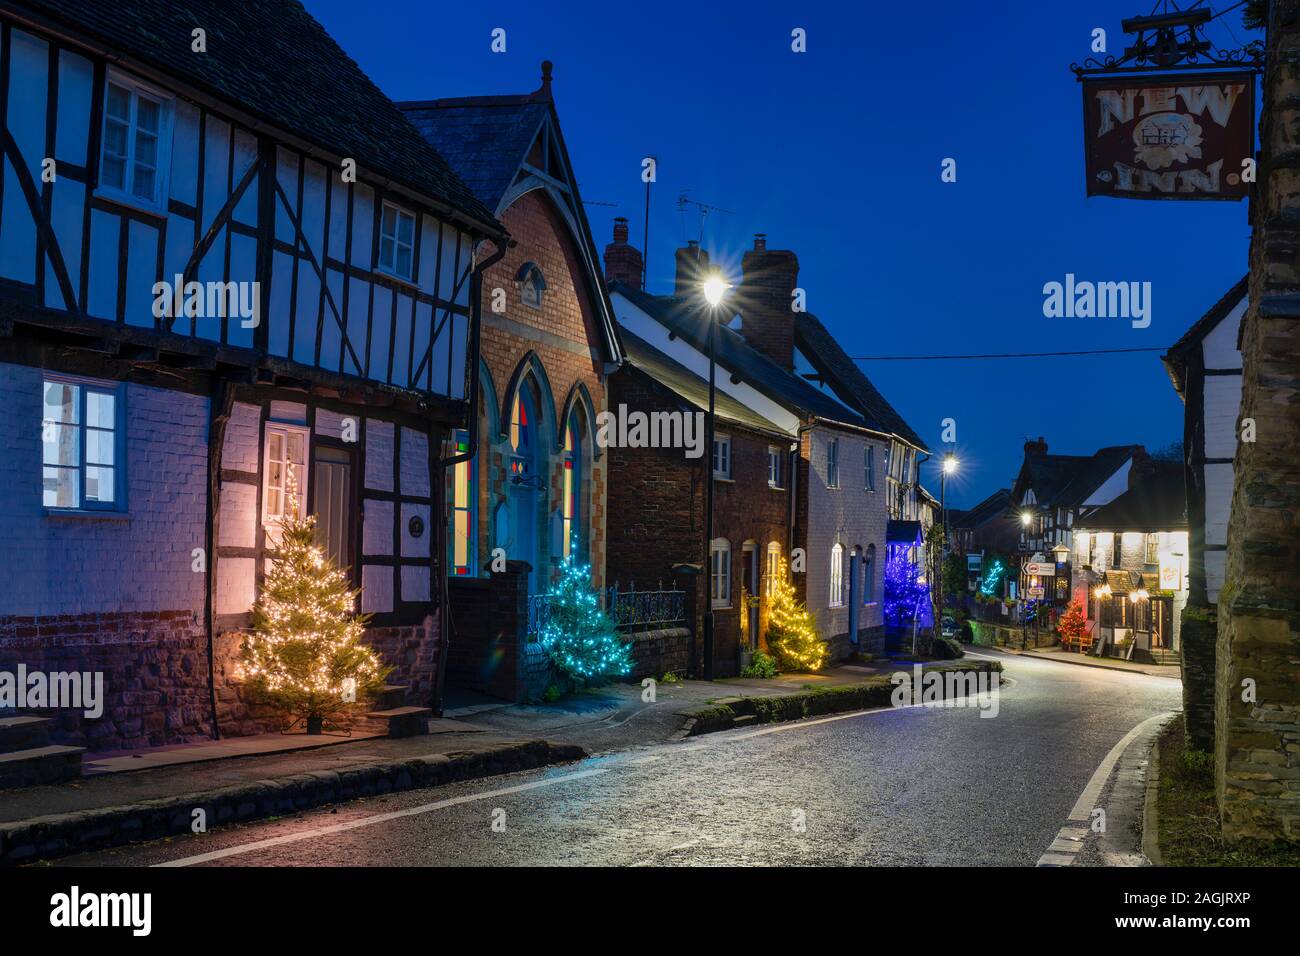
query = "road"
x=912 y=786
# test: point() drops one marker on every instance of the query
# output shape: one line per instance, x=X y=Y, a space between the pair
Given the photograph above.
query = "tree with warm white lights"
x=1072 y=624
x=305 y=656
x=791 y=632
x=579 y=636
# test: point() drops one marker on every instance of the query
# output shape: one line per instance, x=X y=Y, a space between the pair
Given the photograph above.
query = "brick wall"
x=853 y=517
x=486 y=652
x=656 y=501
x=566 y=337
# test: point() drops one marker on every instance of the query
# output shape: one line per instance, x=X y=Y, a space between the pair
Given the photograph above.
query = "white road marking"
x=1067 y=843
x=377 y=818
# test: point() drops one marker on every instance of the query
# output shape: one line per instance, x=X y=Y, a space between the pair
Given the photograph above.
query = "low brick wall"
x=155 y=674
x=487 y=650
x=871 y=642
x=655 y=653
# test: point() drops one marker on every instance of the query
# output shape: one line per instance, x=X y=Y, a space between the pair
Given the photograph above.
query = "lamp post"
x=950 y=464
x=714 y=288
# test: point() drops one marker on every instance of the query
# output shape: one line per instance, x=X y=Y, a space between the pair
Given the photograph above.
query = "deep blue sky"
x=835 y=154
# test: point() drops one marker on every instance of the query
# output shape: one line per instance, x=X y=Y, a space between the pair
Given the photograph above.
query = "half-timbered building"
x=532 y=491
x=235 y=284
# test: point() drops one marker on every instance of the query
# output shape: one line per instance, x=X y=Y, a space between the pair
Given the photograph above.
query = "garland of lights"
x=579 y=636
x=792 y=636
x=304 y=656
x=992 y=578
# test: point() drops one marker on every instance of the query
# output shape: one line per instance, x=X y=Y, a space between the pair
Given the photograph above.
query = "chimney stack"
x=692 y=266
x=1036 y=447
x=623 y=261
x=765 y=300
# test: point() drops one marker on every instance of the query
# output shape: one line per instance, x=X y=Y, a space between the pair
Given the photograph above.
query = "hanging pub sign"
x=1187 y=136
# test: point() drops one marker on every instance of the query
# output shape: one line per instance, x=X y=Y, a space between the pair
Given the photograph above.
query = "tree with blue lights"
x=904 y=592
x=579 y=636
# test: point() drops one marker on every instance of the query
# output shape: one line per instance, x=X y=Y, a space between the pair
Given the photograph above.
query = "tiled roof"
x=689 y=319
x=993 y=507
x=484 y=139
x=844 y=377
x=1155 y=501
x=689 y=386
x=1093 y=472
x=273 y=60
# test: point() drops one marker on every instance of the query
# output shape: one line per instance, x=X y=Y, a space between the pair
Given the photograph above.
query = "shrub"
x=762 y=666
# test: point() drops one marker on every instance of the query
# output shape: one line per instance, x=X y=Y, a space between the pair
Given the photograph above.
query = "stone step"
x=40 y=765
x=23 y=732
x=403 y=721
x=744 y=720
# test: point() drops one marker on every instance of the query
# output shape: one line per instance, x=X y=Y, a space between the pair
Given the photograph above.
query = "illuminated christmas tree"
x=904 y=592
x=580 y=637
x=305 y=656
x=1072 y=624
x=791 y=632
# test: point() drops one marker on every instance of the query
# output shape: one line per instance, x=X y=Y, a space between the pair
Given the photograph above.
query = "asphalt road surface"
x=912 y=786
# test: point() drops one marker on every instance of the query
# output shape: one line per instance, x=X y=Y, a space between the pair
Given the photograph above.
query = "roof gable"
x=1175 y=360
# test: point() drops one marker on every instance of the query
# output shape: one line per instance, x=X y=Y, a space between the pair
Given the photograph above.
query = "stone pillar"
x=1257 y=752
x=1198 y=632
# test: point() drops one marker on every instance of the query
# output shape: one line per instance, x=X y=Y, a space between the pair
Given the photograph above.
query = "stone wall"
x=660 y=652
x=1197 y=641
x=1257 y=739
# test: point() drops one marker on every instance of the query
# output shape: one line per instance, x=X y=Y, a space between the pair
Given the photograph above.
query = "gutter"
x=476 y=332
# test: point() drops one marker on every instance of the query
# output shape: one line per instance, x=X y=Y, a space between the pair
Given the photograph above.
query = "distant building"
x=1131 y=566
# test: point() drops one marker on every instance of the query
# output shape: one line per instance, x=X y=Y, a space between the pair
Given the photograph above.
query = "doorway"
x=331 y=502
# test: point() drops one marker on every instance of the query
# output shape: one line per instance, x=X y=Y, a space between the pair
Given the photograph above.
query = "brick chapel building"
x=531 y=492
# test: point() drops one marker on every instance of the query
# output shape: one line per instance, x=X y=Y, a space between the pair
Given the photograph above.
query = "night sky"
x=835 y=154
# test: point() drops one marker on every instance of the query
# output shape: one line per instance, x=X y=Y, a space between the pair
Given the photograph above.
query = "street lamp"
x=950 y=464
x=714 y=289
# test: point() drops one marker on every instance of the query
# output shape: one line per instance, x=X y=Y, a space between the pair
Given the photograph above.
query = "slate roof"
x=991 y=508
x=1155 y=501
x=484 y=138
x=689 y=319
x=847 y=380
x=690 y=386
x=1066 y=481
x=1175 y=360
x=1093 y=472
x=274 y=61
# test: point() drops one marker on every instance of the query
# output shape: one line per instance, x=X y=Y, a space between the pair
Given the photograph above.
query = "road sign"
x=1044 y=569
x=1036 y=593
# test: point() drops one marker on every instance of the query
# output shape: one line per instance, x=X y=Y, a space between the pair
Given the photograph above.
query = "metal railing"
x=632 y=610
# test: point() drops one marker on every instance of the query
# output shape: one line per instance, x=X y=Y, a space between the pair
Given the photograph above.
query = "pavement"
x=1173 y=671
x=916 y=785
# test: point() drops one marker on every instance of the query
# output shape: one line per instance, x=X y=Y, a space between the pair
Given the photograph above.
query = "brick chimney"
x=1036 y=447
x=692 y=266
x=623 y=261
x=765 y=298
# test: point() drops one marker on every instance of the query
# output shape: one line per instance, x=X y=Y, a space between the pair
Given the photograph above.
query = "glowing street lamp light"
x=714 y=289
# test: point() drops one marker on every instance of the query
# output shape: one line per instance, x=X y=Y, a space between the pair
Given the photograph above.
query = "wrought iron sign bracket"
x=1172 y=40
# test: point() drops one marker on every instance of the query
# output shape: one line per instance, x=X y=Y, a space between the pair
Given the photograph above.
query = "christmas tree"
x=904 y=592
x=580 y=637
x=791 y=632
x=305 y=656
x=1072 y=623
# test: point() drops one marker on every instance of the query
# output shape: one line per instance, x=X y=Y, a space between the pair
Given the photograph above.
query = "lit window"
x=462 y=499
x=136 y=143
x=396 y=241
x=80 y=448
x=773 y=567
x=572 y=487
x=833 y=463
x=722 y=456
x=871 y=467
x=521 y=434
x=285 y=493
x=837 y=576
x=720 y=582
x=773 y=466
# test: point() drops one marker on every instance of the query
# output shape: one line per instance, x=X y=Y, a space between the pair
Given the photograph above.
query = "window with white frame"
x=773 y=466
x=833 y=463
x=720 y=582
x=82 y=445
x=837 y=576
x=773 y=570
x=396 y=241
x=870 y=466
x=136 y=146
x=284 y=473
x=722 y=456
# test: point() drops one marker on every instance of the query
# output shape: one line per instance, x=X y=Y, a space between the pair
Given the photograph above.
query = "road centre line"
x=377 y=818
